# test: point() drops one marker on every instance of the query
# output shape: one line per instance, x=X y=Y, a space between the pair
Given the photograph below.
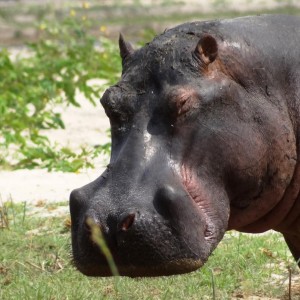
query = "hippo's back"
x=261 y=28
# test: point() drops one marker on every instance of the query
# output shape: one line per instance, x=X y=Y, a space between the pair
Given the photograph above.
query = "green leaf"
x=61 y=63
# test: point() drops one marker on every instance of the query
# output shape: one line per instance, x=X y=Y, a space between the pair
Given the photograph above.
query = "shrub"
x=61 y=63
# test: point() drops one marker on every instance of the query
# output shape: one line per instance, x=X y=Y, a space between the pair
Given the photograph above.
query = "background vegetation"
x=56 y=67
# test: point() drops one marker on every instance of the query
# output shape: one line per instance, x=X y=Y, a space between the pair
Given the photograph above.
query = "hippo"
x=205 y=133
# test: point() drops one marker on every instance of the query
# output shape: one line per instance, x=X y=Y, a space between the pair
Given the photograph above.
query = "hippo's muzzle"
x=169 y=237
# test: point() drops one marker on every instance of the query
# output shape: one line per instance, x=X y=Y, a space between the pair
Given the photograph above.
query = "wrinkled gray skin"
x=205 y=138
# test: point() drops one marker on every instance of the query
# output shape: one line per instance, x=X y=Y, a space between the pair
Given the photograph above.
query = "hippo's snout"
x=144 y=241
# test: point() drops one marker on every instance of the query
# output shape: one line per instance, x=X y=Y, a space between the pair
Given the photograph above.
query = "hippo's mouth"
x=200 y=198
x=179 y=266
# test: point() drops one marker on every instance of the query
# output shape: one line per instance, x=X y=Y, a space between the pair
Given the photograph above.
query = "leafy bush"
x=61 y=63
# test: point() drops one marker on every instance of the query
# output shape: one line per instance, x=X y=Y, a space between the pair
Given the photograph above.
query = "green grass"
x=35 y=263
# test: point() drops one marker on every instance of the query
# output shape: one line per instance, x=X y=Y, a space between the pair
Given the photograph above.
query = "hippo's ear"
x=207 y=49
x=125 y=48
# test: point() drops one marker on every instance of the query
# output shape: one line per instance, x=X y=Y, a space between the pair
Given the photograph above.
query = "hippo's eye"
x=183 y=100
x=183 y=104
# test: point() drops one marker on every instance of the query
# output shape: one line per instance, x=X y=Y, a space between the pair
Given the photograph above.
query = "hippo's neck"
x=284 y=217
x=291 y=221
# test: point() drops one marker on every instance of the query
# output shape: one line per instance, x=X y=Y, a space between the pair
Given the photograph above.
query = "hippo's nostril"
x=94 y=231
x=127 y=222
x=91 y=226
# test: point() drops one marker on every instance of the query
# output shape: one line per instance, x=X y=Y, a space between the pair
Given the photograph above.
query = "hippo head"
x=186 y=146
